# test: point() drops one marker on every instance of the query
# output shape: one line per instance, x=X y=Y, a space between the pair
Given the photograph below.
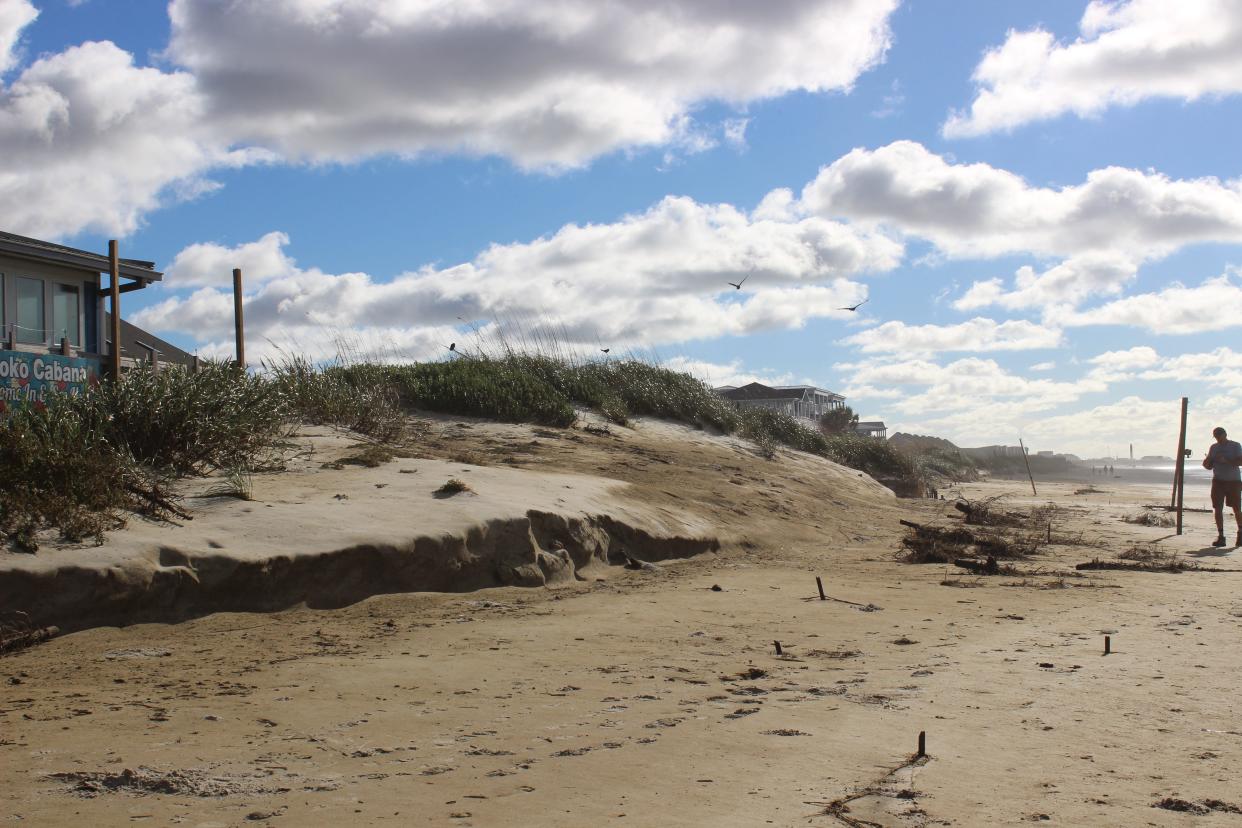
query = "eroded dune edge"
x=536 y=549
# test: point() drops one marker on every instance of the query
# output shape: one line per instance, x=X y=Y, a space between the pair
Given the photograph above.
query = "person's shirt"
x=1228 y=450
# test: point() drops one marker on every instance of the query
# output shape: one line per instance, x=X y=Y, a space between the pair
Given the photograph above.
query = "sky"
x=1038 y=204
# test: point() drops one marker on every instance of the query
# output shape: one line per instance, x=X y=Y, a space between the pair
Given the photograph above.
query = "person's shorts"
x=1227 y=493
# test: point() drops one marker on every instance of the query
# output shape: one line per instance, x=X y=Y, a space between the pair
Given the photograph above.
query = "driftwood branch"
x=28 y=638
x=156 y=499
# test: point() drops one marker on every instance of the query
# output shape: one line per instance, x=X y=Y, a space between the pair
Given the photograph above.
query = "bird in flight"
x=859 y=305
x=738 y=285
x=605 y=350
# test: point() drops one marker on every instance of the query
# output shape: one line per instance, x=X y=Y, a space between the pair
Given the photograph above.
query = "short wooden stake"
x=1049 y=533
x=779 y=651
x=819 y=583
x=1108 y=645
x=922 y=745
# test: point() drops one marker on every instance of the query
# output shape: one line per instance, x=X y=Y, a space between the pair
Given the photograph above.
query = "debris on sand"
x=1149 y=519
x=948 y=544
x=1172 y=803
x=188 y=782
x=1146 y=558
x=452 y=487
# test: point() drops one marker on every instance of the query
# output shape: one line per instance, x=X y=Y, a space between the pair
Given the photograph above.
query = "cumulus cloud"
x=93 y=142
x=1128 y=52
x=732 y=372
x=211 y=264
x=655 y=277
x=978 y=334
x=980 y=211
x=15 y=15
x=1176 y=309
x=1150 y=424
x=1068 y=283
x=1220 y=368
x=547 y=85
x=973 y=389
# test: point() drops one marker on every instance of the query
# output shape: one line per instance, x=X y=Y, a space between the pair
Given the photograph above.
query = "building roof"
x=759 y=391
x=814 y=388
x=870 y=424
x=45 y=251
x=138 y=344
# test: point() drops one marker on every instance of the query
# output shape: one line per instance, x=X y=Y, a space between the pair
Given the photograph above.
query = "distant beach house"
x=872 y=428
x=54 y=331
x=805 y=402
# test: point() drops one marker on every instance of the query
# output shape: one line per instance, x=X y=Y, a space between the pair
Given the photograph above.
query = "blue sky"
x=381 y=168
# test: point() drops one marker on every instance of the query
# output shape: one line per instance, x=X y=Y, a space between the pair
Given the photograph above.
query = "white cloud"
x=1151 y=425
x=92 y=142
x=211 y=264
x=1140 y=356
x=980 y=211
x=1220 y=368
x=1043 y=366
x=656 y=277
x=546 y=85
x=730 y=373
x=1128 y=52
x=973 y=390
x=978 y=334
x=1067 y=283
x=1176 y=309
x=15 y=15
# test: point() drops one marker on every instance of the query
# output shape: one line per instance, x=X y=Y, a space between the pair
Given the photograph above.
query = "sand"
x=650 y=697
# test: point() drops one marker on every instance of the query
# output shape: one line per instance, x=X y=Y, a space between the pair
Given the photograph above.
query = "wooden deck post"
x=114 y=262
x=1180 y=480
x=238 y=320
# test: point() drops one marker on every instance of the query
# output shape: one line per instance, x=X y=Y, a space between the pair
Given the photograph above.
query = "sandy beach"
x=656 y=696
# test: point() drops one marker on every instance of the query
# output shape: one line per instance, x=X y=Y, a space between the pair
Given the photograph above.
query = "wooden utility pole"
x=114 y=265
x=238 y=321
x=1180 y=479
x=1027 y=460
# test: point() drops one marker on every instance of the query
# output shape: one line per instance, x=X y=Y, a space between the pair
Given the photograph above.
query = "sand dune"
x=654 y=696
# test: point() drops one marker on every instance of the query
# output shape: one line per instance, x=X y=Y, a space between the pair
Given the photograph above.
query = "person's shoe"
x=1219 y=541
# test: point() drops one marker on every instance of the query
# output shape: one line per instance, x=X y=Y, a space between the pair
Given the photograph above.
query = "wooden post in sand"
x=922 y=745
x=820 y=585
x=1027 y=460
x=1180 y=480
x=238 y=322
x=114 y=270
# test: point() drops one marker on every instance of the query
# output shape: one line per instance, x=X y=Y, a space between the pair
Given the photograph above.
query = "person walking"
x=1224 y=459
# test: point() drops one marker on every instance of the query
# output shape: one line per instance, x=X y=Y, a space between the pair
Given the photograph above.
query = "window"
x=66 y=315
x=30 y=319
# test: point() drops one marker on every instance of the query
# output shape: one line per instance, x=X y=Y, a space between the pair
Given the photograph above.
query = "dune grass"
x=79 y=463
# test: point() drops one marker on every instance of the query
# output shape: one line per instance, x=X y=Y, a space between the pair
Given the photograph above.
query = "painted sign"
x=30 y=378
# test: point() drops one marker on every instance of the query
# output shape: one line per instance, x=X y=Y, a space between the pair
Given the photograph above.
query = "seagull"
x=859 y=305
x=605 y=350
x=738 y=285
